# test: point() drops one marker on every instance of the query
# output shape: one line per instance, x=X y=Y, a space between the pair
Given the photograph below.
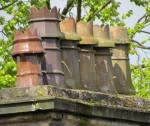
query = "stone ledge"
x=96 y=104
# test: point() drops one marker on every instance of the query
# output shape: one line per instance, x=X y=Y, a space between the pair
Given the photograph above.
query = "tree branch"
x=139 y=45
x=48 y=4
x=93 y=15
x=63 y=16
x=144 y=16
x=145 y=32
x=79 y=10
x=3 y=7
x=137 y=66
x=67 y=7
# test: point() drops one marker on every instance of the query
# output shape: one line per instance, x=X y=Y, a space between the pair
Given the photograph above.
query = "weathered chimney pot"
x=47 y=23
x=70 y=53
x=120 y=60
x=104 y=69
x=27 y=52
x=86 y=55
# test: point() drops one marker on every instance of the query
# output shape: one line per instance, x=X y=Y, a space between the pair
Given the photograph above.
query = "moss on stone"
x=82 y=96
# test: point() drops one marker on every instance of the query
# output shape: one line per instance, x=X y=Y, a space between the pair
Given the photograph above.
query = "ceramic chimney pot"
x=104 y=69
x=120 y=60
x=27 y=52
x=86 y=55
x=47 y=23
x=70 y=53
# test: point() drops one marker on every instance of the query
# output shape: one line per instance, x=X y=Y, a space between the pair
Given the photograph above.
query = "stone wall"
x=47 y=105
x=64 y=119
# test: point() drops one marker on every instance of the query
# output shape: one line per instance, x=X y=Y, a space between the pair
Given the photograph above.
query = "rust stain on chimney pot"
x=85 y=30
x=120 y=60
x=103 y=36
x=68 y=28
x=119 y=35
x=27 y=52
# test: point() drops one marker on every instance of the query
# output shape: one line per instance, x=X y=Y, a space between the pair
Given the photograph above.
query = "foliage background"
x=106 y=11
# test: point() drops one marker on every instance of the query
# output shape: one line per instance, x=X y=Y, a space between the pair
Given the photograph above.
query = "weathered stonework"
x=50 y=106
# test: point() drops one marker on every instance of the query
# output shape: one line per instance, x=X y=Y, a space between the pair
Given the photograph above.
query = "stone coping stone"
x=88 y=103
